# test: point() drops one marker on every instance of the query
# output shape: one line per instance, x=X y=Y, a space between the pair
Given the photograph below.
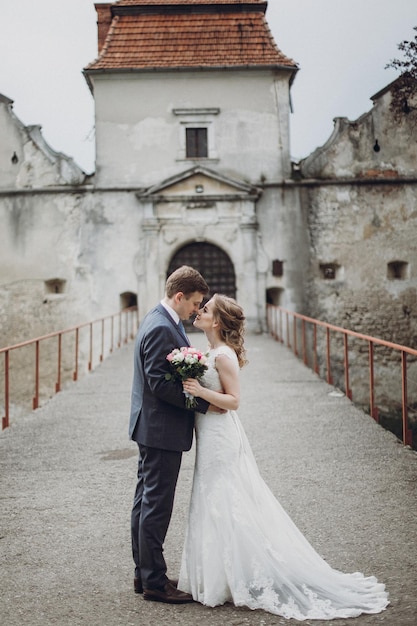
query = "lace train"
x=242 y=547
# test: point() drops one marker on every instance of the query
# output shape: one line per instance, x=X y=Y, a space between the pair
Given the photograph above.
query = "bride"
x=240 y=544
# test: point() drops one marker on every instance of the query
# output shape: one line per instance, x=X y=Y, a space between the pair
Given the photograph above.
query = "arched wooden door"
x=212 y=262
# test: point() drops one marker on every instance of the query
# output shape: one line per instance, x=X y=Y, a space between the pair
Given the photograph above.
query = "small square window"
x=397 y=270
x=277 y=267
x=196 y=143
x=329 y=271
x=55 y=285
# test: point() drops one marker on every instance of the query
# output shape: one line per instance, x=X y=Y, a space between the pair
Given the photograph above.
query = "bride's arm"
x=229 y=378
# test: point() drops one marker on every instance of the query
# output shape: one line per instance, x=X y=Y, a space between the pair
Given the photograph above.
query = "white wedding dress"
x=242 y=547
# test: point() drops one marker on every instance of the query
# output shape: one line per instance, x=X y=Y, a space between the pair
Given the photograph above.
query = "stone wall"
x=362 y=220
x=26 y=160
x=360 y=194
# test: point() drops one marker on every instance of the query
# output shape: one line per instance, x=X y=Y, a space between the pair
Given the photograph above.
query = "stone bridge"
x=68 y=475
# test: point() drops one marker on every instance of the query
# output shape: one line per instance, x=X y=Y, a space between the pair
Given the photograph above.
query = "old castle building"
x=193 y=166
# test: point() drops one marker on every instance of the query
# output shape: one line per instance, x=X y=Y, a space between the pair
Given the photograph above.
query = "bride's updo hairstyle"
x=231 y=319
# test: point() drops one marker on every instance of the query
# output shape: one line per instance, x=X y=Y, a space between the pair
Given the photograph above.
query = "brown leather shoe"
x=169 y=594
x=137 y=584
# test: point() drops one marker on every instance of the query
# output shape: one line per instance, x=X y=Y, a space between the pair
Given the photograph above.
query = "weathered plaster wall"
x=88 y=241
x=139 y=137
x=376 y=145
x=284 y=236
x=362 y=229
x=362 y=222
x=362 y=217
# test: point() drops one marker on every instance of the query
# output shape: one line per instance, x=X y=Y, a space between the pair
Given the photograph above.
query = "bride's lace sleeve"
x=226 y=351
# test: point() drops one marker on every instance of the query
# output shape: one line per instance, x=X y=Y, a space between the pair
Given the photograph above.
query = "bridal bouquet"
x=186 y=363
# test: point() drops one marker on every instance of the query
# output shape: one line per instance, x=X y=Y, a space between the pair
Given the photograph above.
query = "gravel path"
x=68 y=476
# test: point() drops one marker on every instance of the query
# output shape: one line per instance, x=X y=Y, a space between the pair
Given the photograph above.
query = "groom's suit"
x=163 y=428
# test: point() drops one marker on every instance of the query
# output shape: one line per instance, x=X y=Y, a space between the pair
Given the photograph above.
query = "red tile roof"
x=189 y=2
x=159 y=34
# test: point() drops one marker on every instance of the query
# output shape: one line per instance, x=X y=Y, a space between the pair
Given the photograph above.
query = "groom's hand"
x=215 y=409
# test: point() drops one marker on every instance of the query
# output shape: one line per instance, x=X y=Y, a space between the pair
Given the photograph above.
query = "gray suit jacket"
x=158 y=417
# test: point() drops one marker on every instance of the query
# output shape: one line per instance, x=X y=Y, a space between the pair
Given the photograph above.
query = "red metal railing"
x=109 y=338
x=281 y=322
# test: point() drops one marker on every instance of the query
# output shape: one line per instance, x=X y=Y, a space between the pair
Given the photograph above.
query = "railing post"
x=288 y=330
x=407 y=432
x=75 y=374
x=328 y=363
x=58 y=380
x=90 y=360
x=315 y=360
x=112 y=334
x=272 y=314
x=126 y=315
x=303 y=333
x=294 y=329
x=372 y=408
x=102 y=341
x=5 y=420
x=132 y=324
x=348 y=391
x=271 y=321
x=35 y=402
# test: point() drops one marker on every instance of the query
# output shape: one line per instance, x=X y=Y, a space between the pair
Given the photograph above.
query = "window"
x=397 y=270
x=330 y=271
x=277 y=267
x=275 y=296
x=197 y=136
x=196 y=143
x=128 y=299
x=55 y=285
x=54 y=290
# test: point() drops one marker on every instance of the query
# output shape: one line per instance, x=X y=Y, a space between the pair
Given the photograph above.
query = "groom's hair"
x=185 y=279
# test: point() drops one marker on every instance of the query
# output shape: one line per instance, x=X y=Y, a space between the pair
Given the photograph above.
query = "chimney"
x=104 y=19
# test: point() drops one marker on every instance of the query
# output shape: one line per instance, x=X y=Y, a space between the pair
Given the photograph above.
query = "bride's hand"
x=192 y=386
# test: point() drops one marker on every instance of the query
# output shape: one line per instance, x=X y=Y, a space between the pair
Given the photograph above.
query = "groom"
x=163 y=428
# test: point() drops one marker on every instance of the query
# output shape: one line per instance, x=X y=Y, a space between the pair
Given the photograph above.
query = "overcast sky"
x=341 y=47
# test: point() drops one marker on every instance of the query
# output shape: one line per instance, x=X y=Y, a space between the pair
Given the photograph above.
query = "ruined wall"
x=361 y=199
x=366 y=233
x=26 y=160
x=66 y=253
x=360 y=193
x=65 y=258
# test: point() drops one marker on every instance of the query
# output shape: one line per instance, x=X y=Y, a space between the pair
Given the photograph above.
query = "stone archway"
x=212 y=262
